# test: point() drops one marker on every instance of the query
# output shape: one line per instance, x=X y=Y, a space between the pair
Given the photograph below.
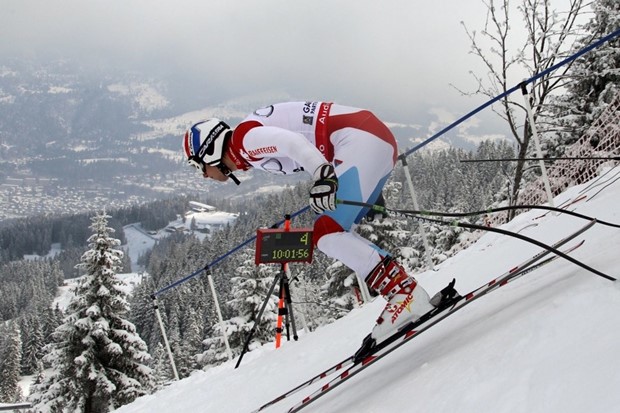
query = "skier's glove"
x=323 y=192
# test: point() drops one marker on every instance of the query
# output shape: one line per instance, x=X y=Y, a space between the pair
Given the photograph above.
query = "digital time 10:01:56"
x=290 y=254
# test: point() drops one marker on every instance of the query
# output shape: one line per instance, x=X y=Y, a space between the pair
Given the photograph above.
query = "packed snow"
x=547 y=342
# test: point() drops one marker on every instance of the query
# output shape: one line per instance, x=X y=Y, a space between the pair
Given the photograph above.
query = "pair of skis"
x=351 y=366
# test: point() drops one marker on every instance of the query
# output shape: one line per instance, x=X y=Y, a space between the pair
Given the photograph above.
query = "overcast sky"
x=396 y=57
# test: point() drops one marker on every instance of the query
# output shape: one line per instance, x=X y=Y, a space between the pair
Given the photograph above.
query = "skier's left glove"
x=323 y=192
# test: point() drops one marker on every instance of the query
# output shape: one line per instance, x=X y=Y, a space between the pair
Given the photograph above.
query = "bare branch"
x=549 y=37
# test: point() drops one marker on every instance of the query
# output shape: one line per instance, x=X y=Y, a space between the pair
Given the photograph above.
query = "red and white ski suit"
x=299 y=136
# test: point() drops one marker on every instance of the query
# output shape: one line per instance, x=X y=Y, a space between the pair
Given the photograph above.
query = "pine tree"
x=52 y=318
x=143 y=314
x=249 y=290
x=10 y=357
x=161 y=366
x=593 y=79
x=306 y=294
x=338 y=291
x=97 y=357
x=33 y=346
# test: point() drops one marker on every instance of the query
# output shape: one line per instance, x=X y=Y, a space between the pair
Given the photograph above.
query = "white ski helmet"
x=204 y=142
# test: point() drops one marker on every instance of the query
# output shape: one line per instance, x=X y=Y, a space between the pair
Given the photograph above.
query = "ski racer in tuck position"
x=350 y=154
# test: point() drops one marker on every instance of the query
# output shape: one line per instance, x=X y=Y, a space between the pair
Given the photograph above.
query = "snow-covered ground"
x=210 y=219
x=54 y=250
x=138 y=243
x=547 y=342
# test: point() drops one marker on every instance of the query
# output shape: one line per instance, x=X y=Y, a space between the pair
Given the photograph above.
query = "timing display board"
x=280 y=245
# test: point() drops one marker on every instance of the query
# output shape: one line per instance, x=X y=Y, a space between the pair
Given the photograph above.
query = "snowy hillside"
x=140 y=241
x=547 y=342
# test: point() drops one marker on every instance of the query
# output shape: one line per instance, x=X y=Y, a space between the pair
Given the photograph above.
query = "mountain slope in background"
x=546 y=343
x=70 y=133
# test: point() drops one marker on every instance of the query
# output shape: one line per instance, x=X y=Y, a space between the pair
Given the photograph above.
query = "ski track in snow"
x=547 y=342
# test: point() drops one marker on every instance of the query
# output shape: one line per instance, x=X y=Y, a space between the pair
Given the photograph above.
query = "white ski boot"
x=406 y=300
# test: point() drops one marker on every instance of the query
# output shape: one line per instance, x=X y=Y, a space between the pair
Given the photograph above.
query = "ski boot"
x=407 y=303
x=406 y=300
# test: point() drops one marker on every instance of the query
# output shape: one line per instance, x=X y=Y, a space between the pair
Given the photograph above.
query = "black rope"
x=455 y=223
x=409 y=212
x=571 y=158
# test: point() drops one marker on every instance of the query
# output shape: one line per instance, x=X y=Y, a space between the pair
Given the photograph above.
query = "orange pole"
x=279 y=322
x=281 y=303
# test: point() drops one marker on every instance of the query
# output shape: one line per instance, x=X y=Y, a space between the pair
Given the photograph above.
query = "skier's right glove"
x=323 y=192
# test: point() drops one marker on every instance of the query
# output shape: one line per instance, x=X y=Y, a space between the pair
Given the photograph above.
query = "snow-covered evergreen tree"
x=593 y=79
x=249 y=290
x=187 y=344
x=99 y=361
x=161 y=366
x=306 y=295
x=10 y=357
x=32 y=345
x=339 y=292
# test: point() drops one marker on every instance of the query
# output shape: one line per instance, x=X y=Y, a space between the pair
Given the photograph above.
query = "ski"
x=358 y=362
x=603 y=188
x=546 y=261
x=525 y=227
x=565 y=205
x=322 y=375
x=599 y=181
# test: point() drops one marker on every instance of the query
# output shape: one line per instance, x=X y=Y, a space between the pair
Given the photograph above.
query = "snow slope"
x=547 y=342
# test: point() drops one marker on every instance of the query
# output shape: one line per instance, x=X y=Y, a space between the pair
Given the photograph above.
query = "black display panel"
x=279 y=245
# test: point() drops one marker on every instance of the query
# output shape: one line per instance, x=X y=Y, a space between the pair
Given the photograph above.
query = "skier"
x=350 y=154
